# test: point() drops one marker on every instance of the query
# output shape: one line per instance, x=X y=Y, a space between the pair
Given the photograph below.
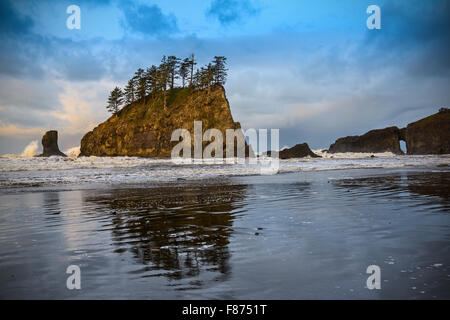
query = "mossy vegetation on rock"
x=144 y=128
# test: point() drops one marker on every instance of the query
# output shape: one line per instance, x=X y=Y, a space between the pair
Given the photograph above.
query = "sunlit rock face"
x=50 y=144
x=144 y=128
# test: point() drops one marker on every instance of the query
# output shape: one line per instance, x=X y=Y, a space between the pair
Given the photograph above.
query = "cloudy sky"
x=310 y=68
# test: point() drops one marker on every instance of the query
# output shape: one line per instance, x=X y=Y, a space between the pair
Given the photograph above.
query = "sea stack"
x=50 y=144
x=144 y=128
x=298 y=151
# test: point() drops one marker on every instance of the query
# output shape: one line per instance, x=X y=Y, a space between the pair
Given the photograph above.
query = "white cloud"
x=11 y=130
x=81 y=106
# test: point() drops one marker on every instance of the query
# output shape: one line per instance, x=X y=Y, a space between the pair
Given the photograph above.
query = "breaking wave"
x=73 y=152
x=18 y=170
x=30 y=150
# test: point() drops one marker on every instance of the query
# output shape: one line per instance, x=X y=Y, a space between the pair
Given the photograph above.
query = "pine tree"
x=151 y=76
x=141 y=84
x=130 y=92
x=197 y=80
x=163 y=79
x=184 y=71
x=192 y=63
x=172 y=69
x=157 y=79
x=115 y=100
x=220 y=70
x=206 y=76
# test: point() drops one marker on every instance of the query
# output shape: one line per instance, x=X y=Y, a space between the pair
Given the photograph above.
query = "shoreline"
x=286 y=177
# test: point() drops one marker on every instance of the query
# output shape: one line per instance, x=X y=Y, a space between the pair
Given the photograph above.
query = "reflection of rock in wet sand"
x=51 y=203
x=176 y=231
x=430 y=184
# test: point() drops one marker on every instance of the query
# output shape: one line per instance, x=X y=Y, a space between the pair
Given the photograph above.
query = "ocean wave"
x=30 y=150
x=19 y=171
x=352 y=155
x=73 y=152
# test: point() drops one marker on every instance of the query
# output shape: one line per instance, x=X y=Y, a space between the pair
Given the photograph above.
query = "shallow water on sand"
x=298 y=235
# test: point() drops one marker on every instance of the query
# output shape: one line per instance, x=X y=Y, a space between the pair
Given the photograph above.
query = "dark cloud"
x=232 y=11
x=80 y=60
x=12 y=21
x=19 y=58
x=92 y=3
x=411 y=22
x=72 y=60
x=83 y=67
x=148 y=19
x=415 y=34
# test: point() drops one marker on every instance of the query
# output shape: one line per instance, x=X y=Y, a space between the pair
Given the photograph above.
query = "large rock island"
x=144 y=128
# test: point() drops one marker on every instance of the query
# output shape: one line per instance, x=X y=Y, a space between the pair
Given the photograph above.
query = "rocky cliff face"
x=50 y=145
x=144 y=128
x=430 y=135
x=380 y=140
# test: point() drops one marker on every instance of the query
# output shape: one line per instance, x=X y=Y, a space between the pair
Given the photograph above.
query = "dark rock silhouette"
x=430 y=135
x=50 y=145
x=374 y=141
x=298 y=151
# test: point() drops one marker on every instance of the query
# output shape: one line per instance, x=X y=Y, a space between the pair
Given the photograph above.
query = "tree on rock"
x=130 y=92
x=163 y=79
x=220 y=70
x=141 y=84
x=115 y=100
x=192 y=64
x=172 y=70
x=159 y=80
x=184 y=71
x=152 y=79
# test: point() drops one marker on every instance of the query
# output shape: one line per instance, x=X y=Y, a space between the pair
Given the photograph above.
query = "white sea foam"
x=57 y=170
x=73 y=152
x=352 y=155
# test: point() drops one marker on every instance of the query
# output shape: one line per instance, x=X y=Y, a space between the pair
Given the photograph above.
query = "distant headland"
x=430 y=135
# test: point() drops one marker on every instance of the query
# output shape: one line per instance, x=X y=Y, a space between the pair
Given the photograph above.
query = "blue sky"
x=310 y=68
